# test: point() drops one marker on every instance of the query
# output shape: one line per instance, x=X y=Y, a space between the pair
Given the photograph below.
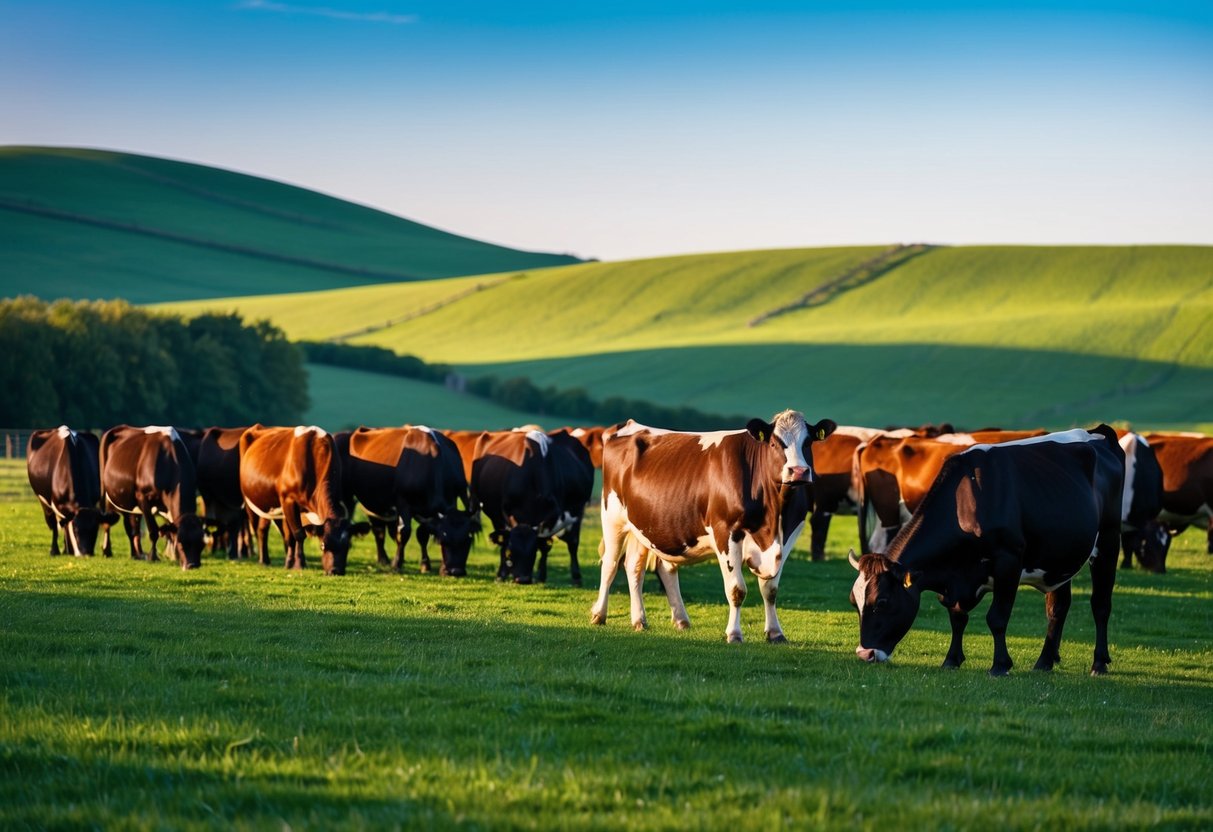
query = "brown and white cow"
x=292 y=476
x=64 y=473
x=405 y=474
x=147 y=472
x=1186 y=460
x=688 y=497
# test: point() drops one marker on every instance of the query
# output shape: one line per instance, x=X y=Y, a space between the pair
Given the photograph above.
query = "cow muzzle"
x=871 y=655
x=797 y=474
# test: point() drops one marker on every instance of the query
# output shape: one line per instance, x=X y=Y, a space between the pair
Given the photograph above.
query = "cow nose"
x=868 y=655
x=798 y=474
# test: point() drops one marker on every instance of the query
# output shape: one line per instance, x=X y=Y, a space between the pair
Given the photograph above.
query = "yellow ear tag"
x=907 y=581
x=762 y=437
x=821 y=434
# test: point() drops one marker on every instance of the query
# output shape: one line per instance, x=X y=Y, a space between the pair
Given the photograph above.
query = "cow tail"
x=861 y=500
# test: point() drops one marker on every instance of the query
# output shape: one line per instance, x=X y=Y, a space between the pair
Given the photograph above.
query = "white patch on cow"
x=1066 y=437
x=66 y=433
x=565 y=521
x=954 y=438
x=1035 y=578
x=578 y=432
x=632 y=428
x=864 y=434
x=271 y=514
x=541 y=439
x=1129 y=443
x=713 y=438
x=859 y=591
x=423 y=428
x=302 y=429
x=764 y=563
x=792 y=432
x=312 y=518
x=167 y=430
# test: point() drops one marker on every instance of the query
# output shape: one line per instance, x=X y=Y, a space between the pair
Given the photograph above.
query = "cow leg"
x=956 y=652
x=819 y=526
x=1103 y=579
x=404 y=531
x=667 y=573
x=130 y=522
x=572 y=539
x=153 y=531
x=379 y=532
x=53 y=525
x=637 y=557
x=768 y=588
x=106 y=548
x=423 y=543
x=541 y=567
x=1006 y=574
x=1057 y=607
x=609 y=549
x=734 y=589
x=1209 y=536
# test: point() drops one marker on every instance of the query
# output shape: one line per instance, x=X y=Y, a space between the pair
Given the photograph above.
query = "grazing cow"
x=686 y=497
x=1026 y=512
x=292 y=476
x=528 y=484
x=402 y=474
x=148 y=472
x=1186 y=460
x=892 y=474
x=218 y=470
x=64 y=473
x=1141 y=532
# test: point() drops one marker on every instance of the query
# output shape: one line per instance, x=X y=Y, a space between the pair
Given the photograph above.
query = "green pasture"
x=133 y=695
x=342 y=399
x=983 y=335
x=94 y=224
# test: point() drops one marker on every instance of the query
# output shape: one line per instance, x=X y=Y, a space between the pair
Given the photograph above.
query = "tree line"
x=100 y=363
x=519 y=393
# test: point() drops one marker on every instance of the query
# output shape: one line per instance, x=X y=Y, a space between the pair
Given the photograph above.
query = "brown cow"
x=148 y=472
x=1186 y=460
x=687 y=497
x=64 y=473
x=292 y=476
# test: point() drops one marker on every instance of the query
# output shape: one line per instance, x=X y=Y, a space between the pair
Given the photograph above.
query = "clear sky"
x=627 y=128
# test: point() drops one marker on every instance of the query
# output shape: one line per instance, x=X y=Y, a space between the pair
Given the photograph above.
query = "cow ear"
x=823 y=429
x=760 y=430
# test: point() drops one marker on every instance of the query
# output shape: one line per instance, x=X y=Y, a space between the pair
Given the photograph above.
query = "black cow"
x=218 y=470
x=65 y=475
x=1028 y=512
x=148 y=472
x=1141 y=532
x=405 y=474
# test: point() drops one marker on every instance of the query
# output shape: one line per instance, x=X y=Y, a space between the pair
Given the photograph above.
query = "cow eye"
x=881 y=603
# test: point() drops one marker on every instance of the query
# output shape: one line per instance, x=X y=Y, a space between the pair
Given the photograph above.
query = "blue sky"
x=626 y=129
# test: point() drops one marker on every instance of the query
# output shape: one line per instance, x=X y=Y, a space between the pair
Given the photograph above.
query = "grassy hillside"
x=91 y=224
x=133 y=695
x=980 y=335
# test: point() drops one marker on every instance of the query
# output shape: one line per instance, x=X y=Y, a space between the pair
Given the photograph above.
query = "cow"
x=591 y=440
x=891 y=475
x=218 y=471
x=64 y=472
x=686 y=497
x=529 y=484
x=292 y=476
x=1141 y=532
x=147 y=472
x=1186 y=460
x=1027 y=512
x=465 y=441
x=407 y=473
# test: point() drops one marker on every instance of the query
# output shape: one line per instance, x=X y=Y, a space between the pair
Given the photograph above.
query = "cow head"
x=188 y=536
x=520 y=544
x=81 y=528
x=887 y=603
x=455 y=530
x=791 y=437
x=335 y=537
x=1151 y=544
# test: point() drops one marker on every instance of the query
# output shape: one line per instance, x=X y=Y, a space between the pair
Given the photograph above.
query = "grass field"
x=1011 y=336
x=133 y=695
x=92 y=224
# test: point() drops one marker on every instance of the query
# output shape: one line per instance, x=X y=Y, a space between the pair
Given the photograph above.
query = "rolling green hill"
x=95 y=224
x=977 y=335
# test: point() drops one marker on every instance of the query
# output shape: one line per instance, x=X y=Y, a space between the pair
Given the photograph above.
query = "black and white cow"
x=1141 y=532
x=65 y=475
x=1028 y=512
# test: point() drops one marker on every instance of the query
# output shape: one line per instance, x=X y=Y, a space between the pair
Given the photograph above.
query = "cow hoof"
x=640 y=625
x=597 y=619
x=776 y=638
x=577 y=582
x=1042 y=667
x=424 y=568
x=818 y=556
x=1000 y=671
x=682 y=625
x=733 y=638
x=1099 y=669
x=950 y=664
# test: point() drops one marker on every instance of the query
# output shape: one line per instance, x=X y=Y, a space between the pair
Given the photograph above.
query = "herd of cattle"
x=959 y=514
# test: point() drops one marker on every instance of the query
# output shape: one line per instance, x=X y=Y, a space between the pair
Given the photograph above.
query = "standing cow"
x=148 y=473
x=64 y=473
x=1028 y=512
x=687 y=497
x=218 y=470
x=1141 y=532
x=1186 y=460
x=405 y=474
x=292 y=477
